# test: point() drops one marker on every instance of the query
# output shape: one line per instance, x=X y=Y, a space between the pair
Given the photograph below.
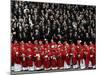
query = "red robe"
x=37 y=59
x=24 y=57
x=79 y=52
x=73 y=53
x=86 y=55
x=12 y=57
x=67 y=56
x=53 y=59
x=93 y=57
x=41 y=47
x=17 y=57
x=47 y=45
x=34 y=46
x=74 y=56
x=30 y=58
x=46 y=60
x=60 y=59
x=13 y=54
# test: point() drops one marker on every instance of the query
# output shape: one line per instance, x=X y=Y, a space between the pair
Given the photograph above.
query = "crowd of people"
x=43 y=55
x=38 y=21
x=52 y=36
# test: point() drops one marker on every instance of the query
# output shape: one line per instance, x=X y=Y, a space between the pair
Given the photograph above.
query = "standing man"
x=86 y=54
x=37 y=59
x=67 y=57
x=17 y=64
x=74 y=56
x=30 y=59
